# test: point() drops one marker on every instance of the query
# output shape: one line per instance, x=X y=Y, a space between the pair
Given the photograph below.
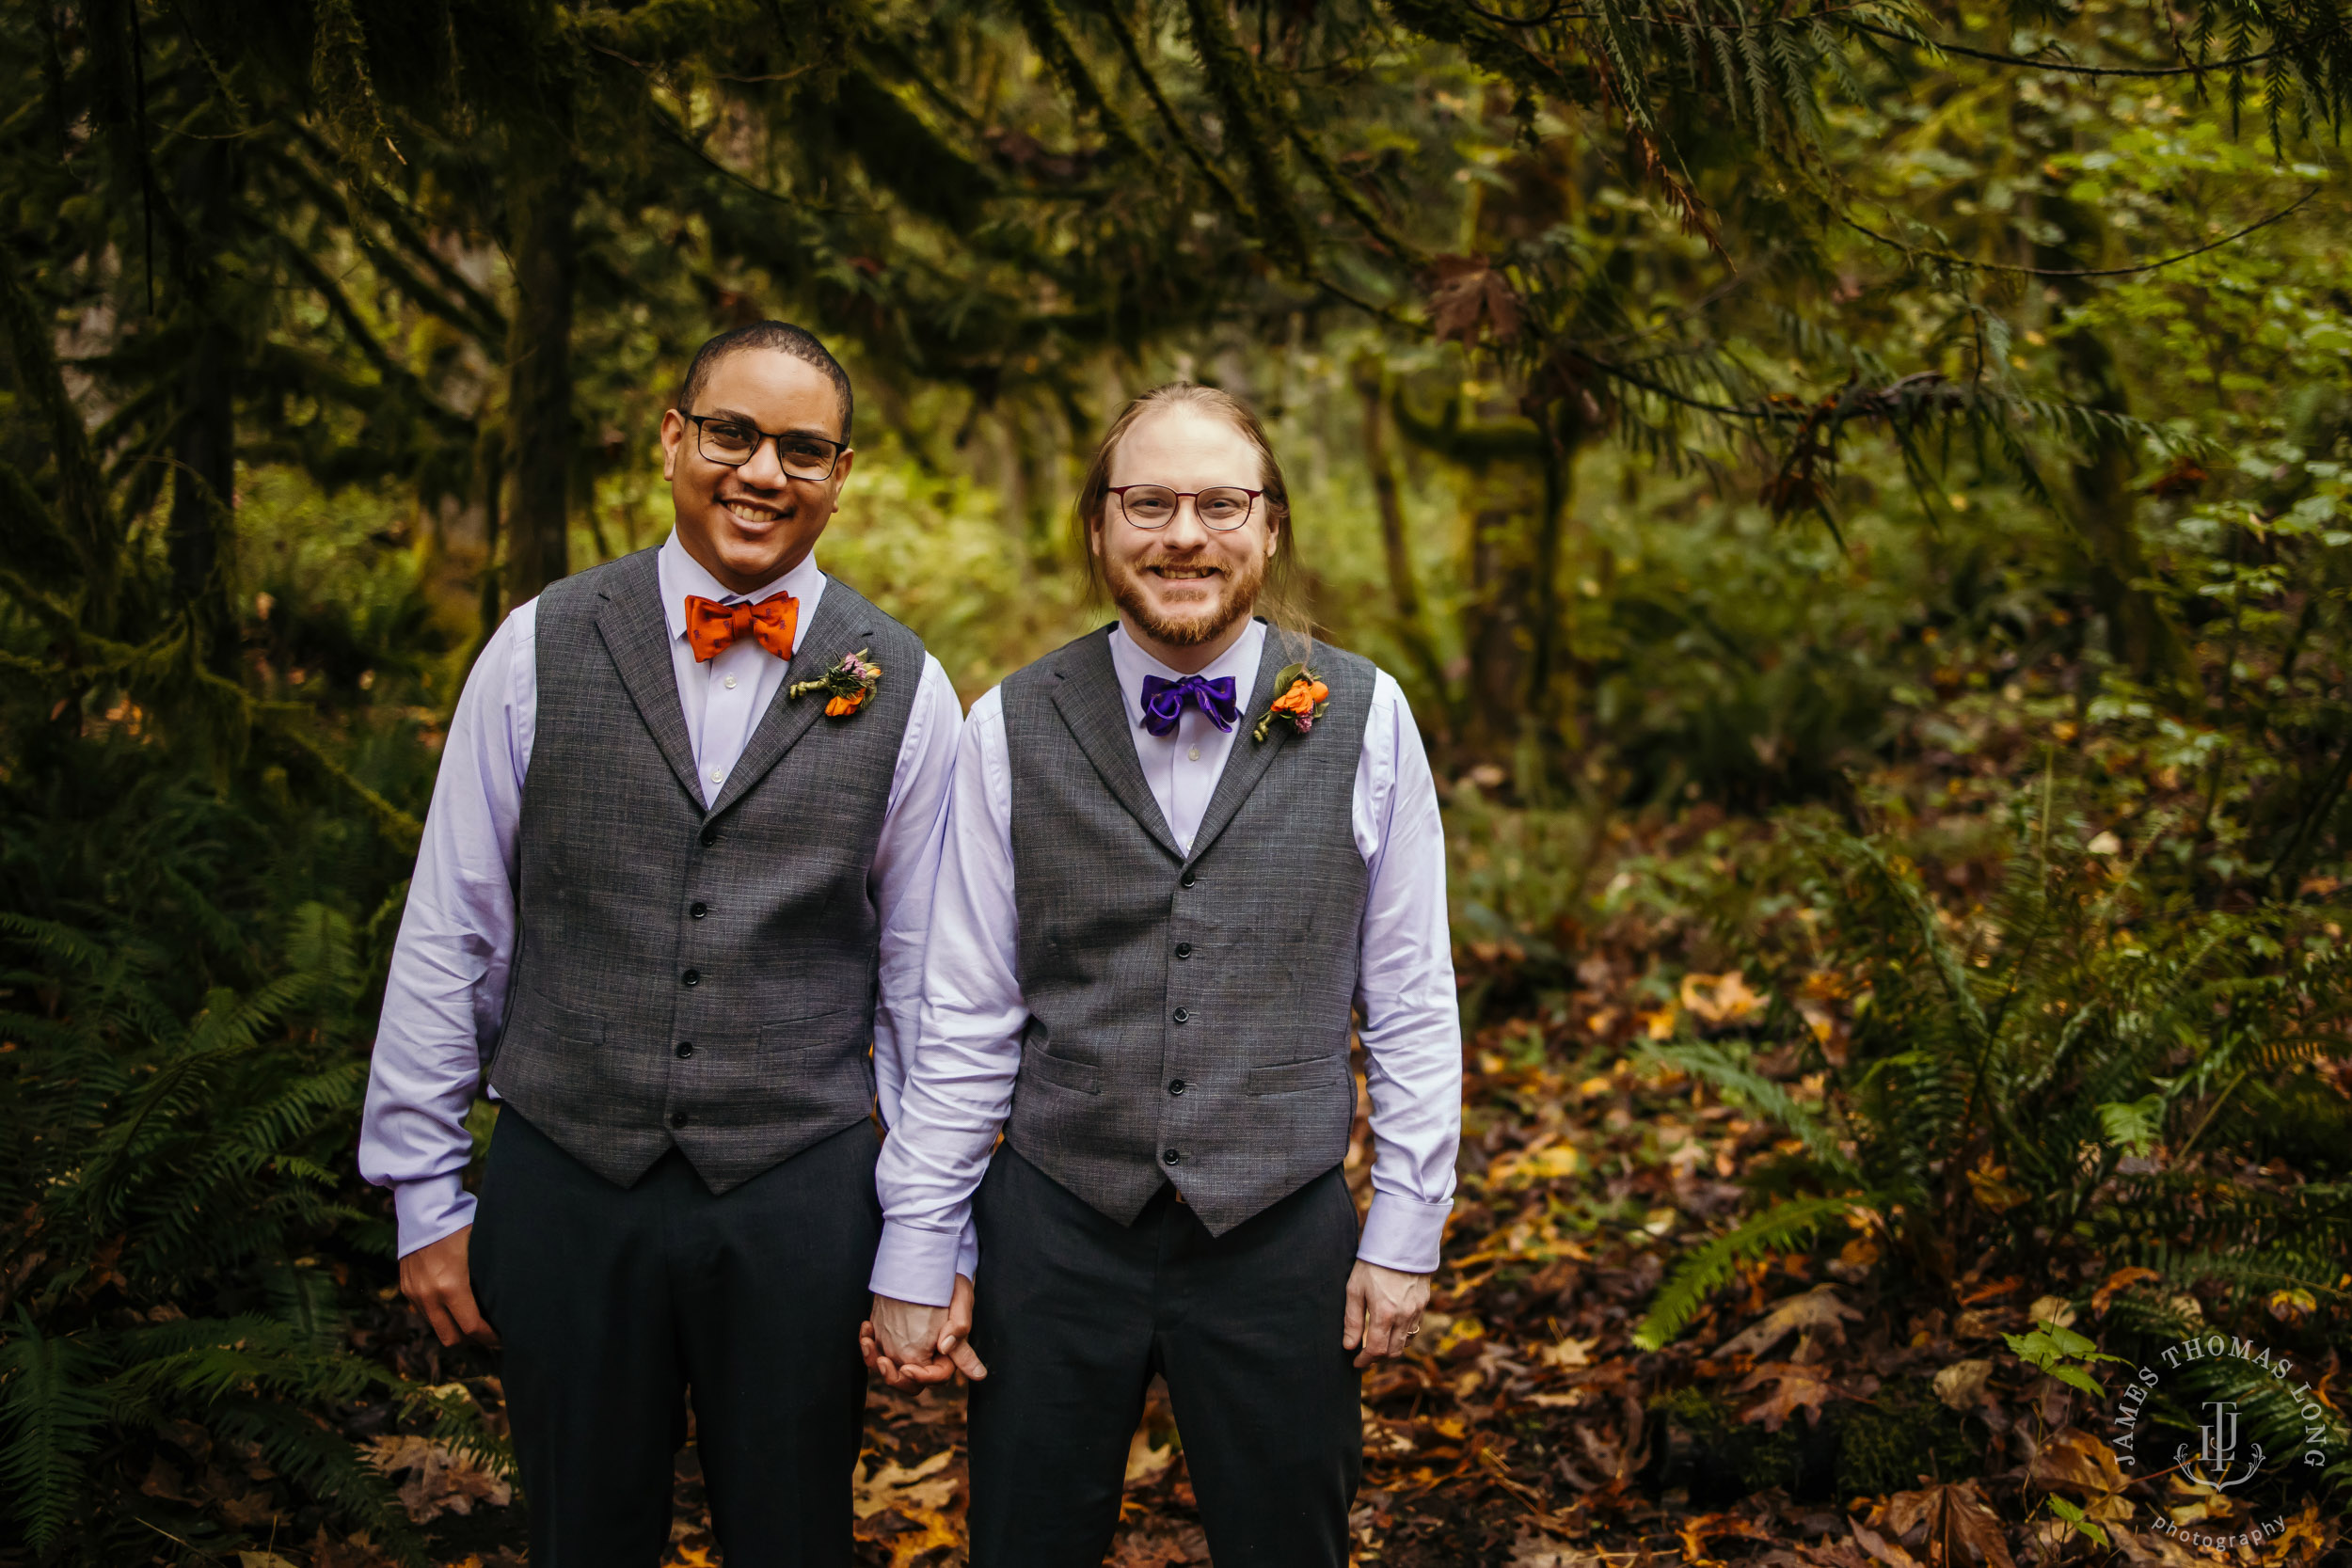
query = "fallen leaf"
x=1948 y=1515
x=261 y=1559
x=1818 y=1308
x=1960 y=1386
x=1696 y=1532
x=1878 y=1547
x=1720 y=998
x=440 y=1478
x=2120 y=1280
x=1146 y=1465
x=1796 y=1388
x=891 y=1485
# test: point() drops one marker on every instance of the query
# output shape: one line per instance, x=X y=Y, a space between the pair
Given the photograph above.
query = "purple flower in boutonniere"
x=846 y=686
x=1302 y=701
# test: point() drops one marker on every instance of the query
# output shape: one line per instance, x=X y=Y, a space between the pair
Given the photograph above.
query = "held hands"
x=1384 y=1308
x=913 y=1346
x=435 y=1281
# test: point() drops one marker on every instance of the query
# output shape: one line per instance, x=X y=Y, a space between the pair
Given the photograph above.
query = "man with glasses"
x=1180 y=851
x=671 y=901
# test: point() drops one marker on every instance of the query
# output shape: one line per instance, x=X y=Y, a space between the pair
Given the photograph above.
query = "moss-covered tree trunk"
x=546 y=205
x=204 y=444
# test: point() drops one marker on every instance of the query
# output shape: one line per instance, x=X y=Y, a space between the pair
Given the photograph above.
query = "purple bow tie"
x=1164 y=702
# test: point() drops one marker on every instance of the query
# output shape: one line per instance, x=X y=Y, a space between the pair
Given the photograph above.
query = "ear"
x=672 y=437
x=1094 y=536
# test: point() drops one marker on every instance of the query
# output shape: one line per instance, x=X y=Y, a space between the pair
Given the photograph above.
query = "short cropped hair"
x=781 y=337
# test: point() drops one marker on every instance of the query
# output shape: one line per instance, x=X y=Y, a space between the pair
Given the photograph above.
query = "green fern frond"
x=1710 y=1264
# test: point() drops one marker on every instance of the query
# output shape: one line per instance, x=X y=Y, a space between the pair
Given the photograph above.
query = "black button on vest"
x=677 y=1118
x=1186 y=879
x=691 y=979
x=1176 y=1085
x=685 y=1049
x=710 y=836
x=1171 y=1157
x=1183 y=950
x=699 y=910
x=1184 y=1015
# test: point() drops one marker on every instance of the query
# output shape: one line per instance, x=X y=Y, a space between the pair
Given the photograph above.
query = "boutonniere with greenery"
x=1302 y=701
x=846 y=686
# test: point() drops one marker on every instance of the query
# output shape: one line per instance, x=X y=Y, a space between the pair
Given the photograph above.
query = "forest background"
x=1854 y=492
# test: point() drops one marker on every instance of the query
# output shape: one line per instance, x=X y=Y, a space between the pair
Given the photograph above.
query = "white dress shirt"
x=959 y=1090
x=446 y=995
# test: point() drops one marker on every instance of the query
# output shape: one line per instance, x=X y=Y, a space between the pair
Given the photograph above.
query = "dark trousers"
x=611 y=1303
x=1075 y=1313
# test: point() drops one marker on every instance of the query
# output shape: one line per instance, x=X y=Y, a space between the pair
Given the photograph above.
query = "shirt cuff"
x=968 y=1252
x=1403 y=1233
x=917 y=1265
x=430 y=1208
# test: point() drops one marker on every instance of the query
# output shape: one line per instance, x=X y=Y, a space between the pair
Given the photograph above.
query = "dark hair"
x=781 y=337
x=1284 y=573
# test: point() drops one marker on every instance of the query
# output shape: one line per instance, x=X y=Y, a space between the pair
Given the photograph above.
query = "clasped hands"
x=909 y=1345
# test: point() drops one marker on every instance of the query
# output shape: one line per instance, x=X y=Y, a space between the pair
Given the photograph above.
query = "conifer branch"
x=1249 y=112
x=1042 y=21
x=1225 y=195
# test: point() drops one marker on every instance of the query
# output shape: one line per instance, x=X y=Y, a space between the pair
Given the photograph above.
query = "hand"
x=1384 y=1308
x=435 y=1281
x=912 y=1345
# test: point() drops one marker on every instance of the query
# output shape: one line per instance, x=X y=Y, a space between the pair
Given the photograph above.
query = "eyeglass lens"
x=802 y=456
x=1154 y=506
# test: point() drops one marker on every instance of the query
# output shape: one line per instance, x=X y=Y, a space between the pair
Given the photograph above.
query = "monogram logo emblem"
x=2217 y=1449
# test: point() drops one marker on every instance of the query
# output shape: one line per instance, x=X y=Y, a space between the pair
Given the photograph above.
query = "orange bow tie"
x=711 y=625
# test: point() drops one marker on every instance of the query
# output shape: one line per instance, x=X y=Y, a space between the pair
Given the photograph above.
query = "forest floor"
x=1815 y=1415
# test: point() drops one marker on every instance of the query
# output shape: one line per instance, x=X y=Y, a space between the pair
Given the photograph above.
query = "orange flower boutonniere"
x=845 y=687
x=1302 y=701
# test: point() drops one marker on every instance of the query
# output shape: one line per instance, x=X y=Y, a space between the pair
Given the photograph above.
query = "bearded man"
x=1180 y=852
x=671 y=901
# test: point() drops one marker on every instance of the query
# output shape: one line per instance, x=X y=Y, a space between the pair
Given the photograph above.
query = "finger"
x=467 y=1314
x=968 y=1362
x=444 y=1326
x=1352 y=1332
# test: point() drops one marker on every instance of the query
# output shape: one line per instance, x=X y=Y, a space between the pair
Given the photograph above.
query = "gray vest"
x=1189 y=1014
x=692 y=977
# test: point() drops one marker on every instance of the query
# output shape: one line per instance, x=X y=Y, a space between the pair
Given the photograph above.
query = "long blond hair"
x=1279 y=601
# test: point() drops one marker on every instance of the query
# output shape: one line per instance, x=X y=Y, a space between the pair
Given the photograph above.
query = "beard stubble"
x=1240 y=596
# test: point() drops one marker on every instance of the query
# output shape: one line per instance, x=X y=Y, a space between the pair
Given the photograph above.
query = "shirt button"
x=699 y=910
x=692 y=977
x=1171 y=1158
x=730 y=683
x=1193 y=754
x=1184 y=1016
x=685 y=1049
x=1186 y=879
x=1183 y=950
x=1176 y=1085
x=710 y=836
x=677 y=1118
x=717 y=777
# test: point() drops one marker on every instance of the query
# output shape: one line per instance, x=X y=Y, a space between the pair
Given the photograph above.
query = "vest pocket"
x=1295 y=1077
x=1061 y=1072
x=816 y=1029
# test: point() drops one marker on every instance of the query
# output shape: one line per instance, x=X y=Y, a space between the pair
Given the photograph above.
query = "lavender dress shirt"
x=959 y=1090
x=446 y=995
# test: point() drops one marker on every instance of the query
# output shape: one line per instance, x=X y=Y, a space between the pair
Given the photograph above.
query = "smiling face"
x=1184 y=591
x=751 y=525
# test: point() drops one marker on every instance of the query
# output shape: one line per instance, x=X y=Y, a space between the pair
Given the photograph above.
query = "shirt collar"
x=1239 y=661
x=680 y=575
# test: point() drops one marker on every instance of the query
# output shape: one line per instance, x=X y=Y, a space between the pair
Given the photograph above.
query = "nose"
x=765 y=469
x=1185 y=531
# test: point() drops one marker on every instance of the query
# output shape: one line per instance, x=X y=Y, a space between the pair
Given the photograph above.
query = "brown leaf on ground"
x=1177 y=1549
x=1696 y=1532
x=1960 y=1386
x=1796 y=1388
x=1878 y=1547
x=2120 y=1280
x=357 y=1552
x=2073 y=1460
x=440 y=1480
x=1950 y=1516
x=1817 y=1309
x=1146 y=1464
x=910 y=1490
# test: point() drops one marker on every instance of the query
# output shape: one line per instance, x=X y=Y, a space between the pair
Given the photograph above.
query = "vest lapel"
x=1247 y=762
x=1088 y=697
x=838 y=627
x=637 y=635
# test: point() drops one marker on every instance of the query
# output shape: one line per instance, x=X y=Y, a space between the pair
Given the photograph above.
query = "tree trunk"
x=1412 y=624
x=197 y=537
x=539 y=370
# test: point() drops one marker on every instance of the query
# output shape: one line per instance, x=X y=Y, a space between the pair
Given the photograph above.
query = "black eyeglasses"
x=1224 y=508
x=725 y=439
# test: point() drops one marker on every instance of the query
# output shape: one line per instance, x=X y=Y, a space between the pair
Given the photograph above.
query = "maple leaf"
x=1797 y=1388
x=2078 y=1462
x=1947 y=1516
x=1467 y=297
x=1818 y=1308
